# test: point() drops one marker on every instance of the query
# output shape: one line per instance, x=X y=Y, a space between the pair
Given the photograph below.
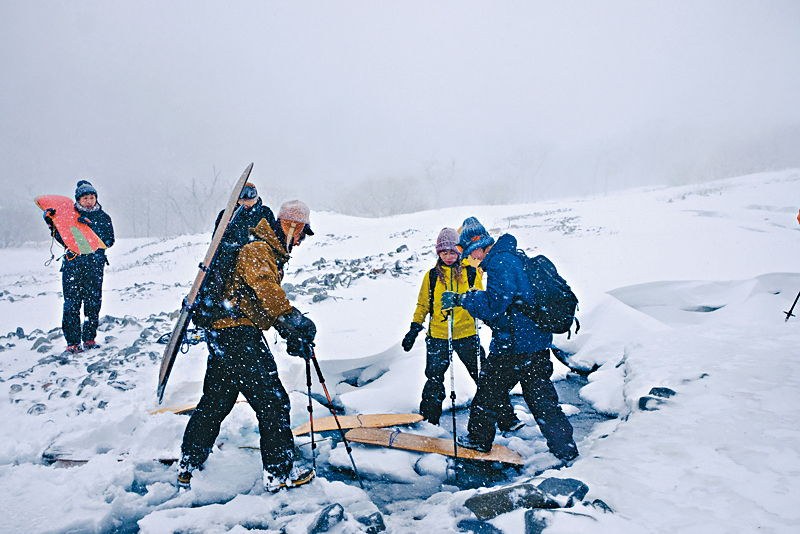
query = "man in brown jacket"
x=239 y=359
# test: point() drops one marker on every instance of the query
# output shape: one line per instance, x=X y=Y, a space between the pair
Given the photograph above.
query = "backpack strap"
x=432 y=276
x=472 y=273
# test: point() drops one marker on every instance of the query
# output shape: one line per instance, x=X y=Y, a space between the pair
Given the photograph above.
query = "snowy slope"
x=682 y=288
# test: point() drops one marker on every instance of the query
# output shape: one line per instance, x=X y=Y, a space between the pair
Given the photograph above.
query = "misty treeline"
x=658 y=155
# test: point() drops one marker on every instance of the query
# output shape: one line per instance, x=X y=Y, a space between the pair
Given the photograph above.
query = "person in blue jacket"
x=82 y=274
x=519 y=351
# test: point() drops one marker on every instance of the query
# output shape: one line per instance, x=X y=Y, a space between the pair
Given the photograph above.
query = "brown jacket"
x=255 y=287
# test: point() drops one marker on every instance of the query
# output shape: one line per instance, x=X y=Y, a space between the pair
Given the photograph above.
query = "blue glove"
x=85 y=220
x=49 y=213
x=450 y=300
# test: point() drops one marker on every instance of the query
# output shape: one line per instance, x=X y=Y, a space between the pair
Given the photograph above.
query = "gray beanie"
x=84 y=188
x=447 y=240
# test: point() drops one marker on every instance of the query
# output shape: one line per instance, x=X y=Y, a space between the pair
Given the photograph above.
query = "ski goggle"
x=249 y=193
x=474 y=238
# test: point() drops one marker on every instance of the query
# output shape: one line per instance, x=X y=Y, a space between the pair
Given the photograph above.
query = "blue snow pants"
x=82 y=284
x=240 y=361
x=533 y=371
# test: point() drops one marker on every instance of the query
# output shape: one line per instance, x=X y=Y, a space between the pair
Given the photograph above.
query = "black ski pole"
x=789 y=313
x=336 y=417
x=311 y=415
x=452 y=389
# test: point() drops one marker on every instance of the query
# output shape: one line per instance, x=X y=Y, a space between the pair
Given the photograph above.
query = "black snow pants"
x=82 y=284
x=469 y=349
x=501 y=372
x=240 y=361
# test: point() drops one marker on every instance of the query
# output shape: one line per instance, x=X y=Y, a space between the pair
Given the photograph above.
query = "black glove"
x=85 y=220
x=450 y=300
x=408 y=341
x=49 y=213
x=298 y=331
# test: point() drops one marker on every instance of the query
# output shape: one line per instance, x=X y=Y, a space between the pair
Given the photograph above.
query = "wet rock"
x=373 y=522
x=533 y=524
x=401 y=248
x=330 y=516
x=44 y=348
x=54 y=334
x=88 y=381
x=36 y=334
x=97 y=366
x=37 y=409
x=663 y=393
x=20 y=332
x=15 y=388
x=600 y=505
x=649 y=404
x=491 y=504
x=477 y=527
x=565 y=491
x=122 y=386
x=319 y=296
x=130 y=321
x=127 y=351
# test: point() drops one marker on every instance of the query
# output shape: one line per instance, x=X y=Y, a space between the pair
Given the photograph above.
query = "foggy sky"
x=324 y=93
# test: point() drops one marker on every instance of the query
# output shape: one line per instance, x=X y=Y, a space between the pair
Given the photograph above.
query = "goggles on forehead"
x=249 y=193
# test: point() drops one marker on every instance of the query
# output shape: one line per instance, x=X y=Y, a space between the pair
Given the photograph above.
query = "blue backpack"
x=554 y=304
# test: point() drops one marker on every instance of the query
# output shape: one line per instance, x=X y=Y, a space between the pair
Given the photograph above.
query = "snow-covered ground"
x=681 y=288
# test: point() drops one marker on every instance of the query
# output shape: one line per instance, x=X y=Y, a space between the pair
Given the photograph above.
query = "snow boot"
x=185 y=474
x=467 y=443
x=511 y=426
x=184 y=479
x=296 y=477
x=74 y=349
x=91 y=344
x=567 y=456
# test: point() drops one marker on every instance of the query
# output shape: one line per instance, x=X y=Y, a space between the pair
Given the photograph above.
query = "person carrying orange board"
x=82 y=274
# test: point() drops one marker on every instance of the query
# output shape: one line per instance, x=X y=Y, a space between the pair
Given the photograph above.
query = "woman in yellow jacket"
x=449 y=274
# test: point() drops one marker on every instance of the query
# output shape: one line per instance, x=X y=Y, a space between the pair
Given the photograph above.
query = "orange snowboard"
x=375 y=420
x=395 y=439
x=77 y=237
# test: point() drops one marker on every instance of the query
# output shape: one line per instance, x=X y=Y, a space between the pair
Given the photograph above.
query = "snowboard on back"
x=178 y=333
x=394 y=439
x=78 y=237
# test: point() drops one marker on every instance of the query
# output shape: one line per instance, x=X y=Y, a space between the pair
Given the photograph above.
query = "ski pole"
x=478 y=347
x=336 y=418
x=452 y=387
x=789 y=313
x=311 y=415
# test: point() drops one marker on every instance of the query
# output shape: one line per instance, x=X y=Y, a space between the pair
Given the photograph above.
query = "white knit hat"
x=297 y=211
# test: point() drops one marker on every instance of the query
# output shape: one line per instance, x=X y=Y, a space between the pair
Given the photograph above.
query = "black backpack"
x=554 y=304
x=209 y=306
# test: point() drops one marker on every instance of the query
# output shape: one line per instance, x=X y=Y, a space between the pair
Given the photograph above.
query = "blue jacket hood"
x=512 y=330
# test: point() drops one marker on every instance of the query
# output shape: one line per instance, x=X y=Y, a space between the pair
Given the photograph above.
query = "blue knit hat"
x=84 y=188
x=473 y=235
